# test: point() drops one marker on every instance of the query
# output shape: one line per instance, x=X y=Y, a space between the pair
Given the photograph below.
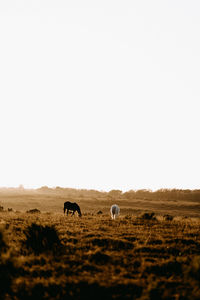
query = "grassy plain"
x=94 y=256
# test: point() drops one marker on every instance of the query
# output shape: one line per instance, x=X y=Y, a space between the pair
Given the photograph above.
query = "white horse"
x=114 y=211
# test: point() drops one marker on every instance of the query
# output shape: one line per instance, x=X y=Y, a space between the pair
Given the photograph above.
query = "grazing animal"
x=69 y=206
x=114 y=211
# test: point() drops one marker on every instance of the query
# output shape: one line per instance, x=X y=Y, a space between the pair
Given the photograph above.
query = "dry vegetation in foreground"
x=52 y=256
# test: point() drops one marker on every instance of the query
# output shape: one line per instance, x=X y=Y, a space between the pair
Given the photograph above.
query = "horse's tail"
x=114 y=210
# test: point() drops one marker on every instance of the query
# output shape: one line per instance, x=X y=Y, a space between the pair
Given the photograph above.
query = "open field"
x=177 y=203
x=94 y=257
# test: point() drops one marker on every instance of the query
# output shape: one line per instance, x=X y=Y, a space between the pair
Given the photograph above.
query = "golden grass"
x=129 y=258
x=139 y=255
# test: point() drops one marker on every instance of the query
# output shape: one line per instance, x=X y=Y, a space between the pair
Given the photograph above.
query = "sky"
x=100 y=94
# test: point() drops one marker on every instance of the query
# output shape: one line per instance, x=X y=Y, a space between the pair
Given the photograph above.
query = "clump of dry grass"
x=40 y=239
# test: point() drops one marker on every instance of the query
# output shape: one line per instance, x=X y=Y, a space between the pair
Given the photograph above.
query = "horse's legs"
x=67 y=212
x=73 y=212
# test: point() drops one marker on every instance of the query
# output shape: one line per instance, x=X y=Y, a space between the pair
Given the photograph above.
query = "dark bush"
x=114 y=244
x=41 y=239
x=192 y=278
x=168 y=217
x=3 y=245
x=7 y=273
x=148 y=216
x=166 y=269
x=33 y=211
x=100 y=258
x=193 y=270
x=86 y=290
x=7 y=268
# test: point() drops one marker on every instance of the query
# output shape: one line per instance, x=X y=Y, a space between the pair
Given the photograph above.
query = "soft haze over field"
x=100 y=94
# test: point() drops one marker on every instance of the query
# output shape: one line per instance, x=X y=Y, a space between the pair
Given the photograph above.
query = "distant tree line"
x=161 y=194
x=144 y=194
x=164 y=194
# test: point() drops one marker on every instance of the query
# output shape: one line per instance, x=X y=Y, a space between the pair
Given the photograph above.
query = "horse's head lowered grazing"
x=78 y=210
x=69 y=206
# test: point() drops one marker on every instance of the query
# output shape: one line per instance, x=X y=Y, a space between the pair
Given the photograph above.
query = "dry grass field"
x=48 y=255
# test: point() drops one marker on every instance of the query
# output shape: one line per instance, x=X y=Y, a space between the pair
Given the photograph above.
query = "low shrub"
x=148 y=216
x=7 y=267
x=41 y=238
x=166 y=269
x=192 y=271
x=33 y=211
x=8 y=272
x=192 y=278
x=3 y=245
x=99 y=258
x=168 y=217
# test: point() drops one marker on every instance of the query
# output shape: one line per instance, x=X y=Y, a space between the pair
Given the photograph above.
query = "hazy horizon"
x=21 y=187
x=100 y=95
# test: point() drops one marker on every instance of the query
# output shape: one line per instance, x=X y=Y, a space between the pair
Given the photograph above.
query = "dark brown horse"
x=69 y=206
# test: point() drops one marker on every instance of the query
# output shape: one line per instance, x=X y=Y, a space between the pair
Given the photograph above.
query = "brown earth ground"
x=96 y=257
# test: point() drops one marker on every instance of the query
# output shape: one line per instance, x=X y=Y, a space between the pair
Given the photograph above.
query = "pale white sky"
x=100 y=94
